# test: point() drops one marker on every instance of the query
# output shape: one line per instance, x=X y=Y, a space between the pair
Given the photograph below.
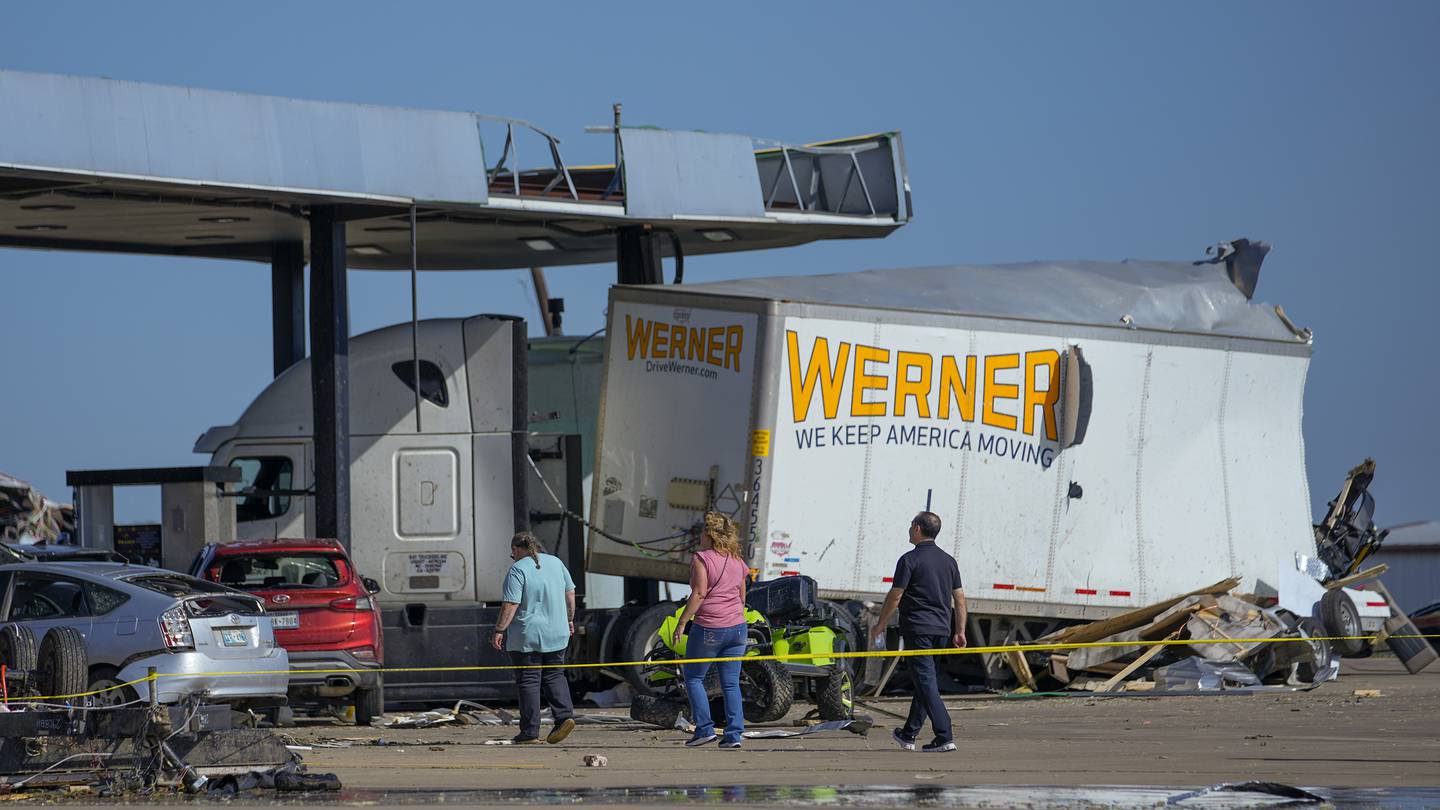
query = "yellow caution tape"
x=1001 y=648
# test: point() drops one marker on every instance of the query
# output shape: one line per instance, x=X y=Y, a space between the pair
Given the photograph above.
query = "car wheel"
x=17 y=653
x=61 y=671
x=115 y=692
x=642 y=640
x=836 y=695
x=1342 y=619
x=767 y=690
x=370 y=703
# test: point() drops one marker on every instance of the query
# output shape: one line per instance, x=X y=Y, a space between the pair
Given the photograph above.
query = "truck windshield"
x=270 y=571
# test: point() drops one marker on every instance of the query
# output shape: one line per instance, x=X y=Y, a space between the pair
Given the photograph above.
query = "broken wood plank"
x=1136 y=664
x=1129 y=620
x=1368 y=573
x=1021 y=668
x=1059 y=669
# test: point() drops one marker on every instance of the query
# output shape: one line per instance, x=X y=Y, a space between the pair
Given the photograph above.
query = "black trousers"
x=531 y=682
x=925 y=699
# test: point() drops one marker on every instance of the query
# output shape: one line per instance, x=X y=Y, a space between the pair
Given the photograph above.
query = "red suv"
x=322 y=612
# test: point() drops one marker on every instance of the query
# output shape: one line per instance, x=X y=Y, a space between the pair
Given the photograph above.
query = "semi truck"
x=1095 y=437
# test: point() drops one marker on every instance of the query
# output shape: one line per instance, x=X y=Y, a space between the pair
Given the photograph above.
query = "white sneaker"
x=935 y=748
x=908 y=745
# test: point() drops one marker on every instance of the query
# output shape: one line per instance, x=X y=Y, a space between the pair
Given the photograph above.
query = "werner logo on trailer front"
x=677 y=347
x=939 y=395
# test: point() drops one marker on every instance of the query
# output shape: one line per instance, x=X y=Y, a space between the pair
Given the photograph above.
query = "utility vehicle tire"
x=17 y=653
x=369 y=704
x=641 y=639
x=114 y=695
x=656 y=711
x=1322 y=653
x=835 y=695
x=1342 y=618
x=767 y=690
x=61 y=667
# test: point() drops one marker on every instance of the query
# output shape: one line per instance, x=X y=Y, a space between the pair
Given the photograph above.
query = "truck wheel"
x=642 y=639
x=370 y=703
x=835 y=696
x=1342 y=618
x=1320 y=652
x=656 y=711
x=835 y=615
x=61 y=668
x=17 y=653
x=767 y=690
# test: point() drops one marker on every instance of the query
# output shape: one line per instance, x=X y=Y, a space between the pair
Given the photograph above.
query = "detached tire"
x=62 y=668
x=640 y=640
x=1342 y=618
x=18 y=654
x=767 y=690
x=370 y=703
x=835 y=695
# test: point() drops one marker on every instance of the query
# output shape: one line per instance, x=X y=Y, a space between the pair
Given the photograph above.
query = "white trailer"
x=1094 y=436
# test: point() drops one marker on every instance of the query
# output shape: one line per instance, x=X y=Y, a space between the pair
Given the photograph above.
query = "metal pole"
x=542 y=299
x=415 y=318
x=620 y=176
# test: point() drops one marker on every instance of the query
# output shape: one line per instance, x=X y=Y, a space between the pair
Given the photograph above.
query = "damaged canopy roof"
x=1164 y=296
x=104 y=165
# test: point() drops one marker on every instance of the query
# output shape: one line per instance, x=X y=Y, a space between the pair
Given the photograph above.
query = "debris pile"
x=26 y=515
x=1214 y=639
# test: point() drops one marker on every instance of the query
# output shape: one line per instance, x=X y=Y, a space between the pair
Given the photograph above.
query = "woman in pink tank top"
x=717 y=607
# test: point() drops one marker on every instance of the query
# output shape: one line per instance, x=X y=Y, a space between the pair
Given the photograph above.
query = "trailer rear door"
x=675 y=416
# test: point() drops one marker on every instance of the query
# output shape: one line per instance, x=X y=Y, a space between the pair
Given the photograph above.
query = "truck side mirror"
x=371 y=585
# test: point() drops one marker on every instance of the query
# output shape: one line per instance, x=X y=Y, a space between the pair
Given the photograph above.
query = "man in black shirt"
x=926 y=584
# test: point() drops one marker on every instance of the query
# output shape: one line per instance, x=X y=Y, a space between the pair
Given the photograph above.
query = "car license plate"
x=289 y=620
x=234 y=637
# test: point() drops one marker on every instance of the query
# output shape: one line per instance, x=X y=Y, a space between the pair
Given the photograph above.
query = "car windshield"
x=276 y=571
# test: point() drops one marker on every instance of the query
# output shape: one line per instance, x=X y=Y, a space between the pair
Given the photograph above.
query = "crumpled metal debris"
x=464 y=713
x=1198 y=673
x=855 y=725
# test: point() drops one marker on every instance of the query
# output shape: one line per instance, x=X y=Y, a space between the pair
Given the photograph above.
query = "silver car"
x=135 y=617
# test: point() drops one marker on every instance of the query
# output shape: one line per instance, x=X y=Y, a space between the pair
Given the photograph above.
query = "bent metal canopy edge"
x=106 y=165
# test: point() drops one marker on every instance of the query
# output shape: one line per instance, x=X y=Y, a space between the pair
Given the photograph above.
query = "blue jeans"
x=925 y=697
x=723 y=642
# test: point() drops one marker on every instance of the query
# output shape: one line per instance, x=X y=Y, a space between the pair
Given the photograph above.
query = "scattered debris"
x=595 y=761
x=464 y=713
x=1362 y=693
x=857 y=725
x=618 y=696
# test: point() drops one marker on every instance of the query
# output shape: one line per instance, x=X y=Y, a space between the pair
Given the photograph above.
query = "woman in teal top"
x=536 y=622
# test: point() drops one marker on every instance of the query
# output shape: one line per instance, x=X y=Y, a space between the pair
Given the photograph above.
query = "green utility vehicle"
x=784 y=618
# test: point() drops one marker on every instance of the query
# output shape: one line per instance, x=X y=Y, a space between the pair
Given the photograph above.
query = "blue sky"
x=1037 y=130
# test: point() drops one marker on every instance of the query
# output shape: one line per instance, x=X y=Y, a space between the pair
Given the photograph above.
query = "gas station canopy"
x=105 y=165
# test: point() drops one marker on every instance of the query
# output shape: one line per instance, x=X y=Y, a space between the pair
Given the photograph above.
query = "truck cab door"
x=271 y=475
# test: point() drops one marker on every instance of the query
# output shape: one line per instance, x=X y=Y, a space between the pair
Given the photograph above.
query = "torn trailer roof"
x=1182 y=297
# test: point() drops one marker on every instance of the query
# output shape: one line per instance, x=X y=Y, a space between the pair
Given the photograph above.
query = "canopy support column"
x=287 y=303
x=637 y=252
x=330 y=372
